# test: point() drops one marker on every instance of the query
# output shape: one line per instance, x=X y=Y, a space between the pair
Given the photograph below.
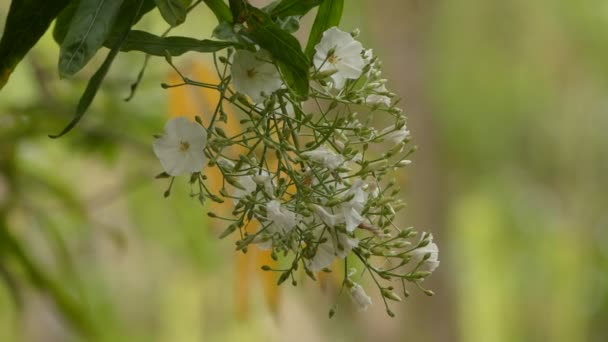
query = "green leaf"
x=220 y=10
x=284 y=47
x=65 y=18
x=236 y=8
x=63 y=21
x=289 y=24
x=88 y=30
x=26 y=22
x=175 y=46
x=329 y=15
x=173 y=11
x=287 y=8
x=124 y=19
x=131 y=10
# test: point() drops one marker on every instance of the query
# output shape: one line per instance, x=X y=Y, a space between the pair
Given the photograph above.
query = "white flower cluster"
x=316 y=176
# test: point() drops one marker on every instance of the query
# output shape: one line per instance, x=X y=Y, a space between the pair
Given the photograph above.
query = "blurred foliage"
x=517 y=95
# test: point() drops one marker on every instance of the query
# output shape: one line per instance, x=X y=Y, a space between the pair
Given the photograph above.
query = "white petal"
x=265 y=80
x=324 y=257
x=360 y=298
x=175 y=127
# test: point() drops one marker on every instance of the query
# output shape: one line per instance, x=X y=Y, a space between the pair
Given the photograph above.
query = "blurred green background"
x=507 y=102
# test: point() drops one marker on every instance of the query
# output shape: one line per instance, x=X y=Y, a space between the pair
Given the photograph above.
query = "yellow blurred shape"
x=193 y=101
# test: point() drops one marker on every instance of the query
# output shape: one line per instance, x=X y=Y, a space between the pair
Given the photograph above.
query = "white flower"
x=281 y=219
x=325 y=217
x=264 y=178
x=325 y=157
x=417 y=255
x=357 y=293
x=395 y=136
x=351 y=210
x=253 y=75
x=180 y=149
x=346 y=58
x=225 y=164
x=336 y=245
x=368 y=54
x=249 y=184
x=377 y=99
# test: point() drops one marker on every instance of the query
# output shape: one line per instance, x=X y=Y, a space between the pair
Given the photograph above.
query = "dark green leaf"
x=173 y=11
x=115 y=34
x=62 y=24
x=124 y=19
x=289 y=24
x=26 y=22
x=284 y=47
x=236 y=8
x=287 y=8
x=329 y=15
x=156 y=46
x=88 y=30
x=220 y=9
x=132 y=9
x=65 y=18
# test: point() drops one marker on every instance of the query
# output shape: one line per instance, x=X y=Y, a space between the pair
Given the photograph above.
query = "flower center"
x=184 y=146
x=251 y=73
x=333 y=59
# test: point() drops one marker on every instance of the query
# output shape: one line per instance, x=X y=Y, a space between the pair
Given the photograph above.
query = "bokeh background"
x=507 y=102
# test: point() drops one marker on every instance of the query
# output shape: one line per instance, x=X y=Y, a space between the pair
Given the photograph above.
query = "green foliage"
x=287 y=8
x=131 y=8
x=88 y=30
x=63 y=21
x=237 y=7
x=26 y=22
x=84 y=26
x=220 y=10
x=284 y=47
x=173 y=11
x=329 y=14
x=175 y=46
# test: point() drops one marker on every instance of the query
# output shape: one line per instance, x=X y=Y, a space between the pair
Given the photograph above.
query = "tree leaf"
x=220 y=9
x=63 y=21
x=88 y=30
x=329 y=15
x=287 y=8
x=26 y=22
x=173 y=11
x=131 y=10
x=157 y=46
x=123 y=19
x=284 y=47
x=236 y=8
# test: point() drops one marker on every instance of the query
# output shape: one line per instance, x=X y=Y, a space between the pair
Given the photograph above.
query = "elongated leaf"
x=156 y=46
x=329 y=15
x=131 y=9
x=39 y=277
x=220 y=9
x=26 y=22
x=284 y=47
x=173 y=11
x=236 y=8
x=62 y=24
x=288 y=8
x=123 y=20
x=63 y=21
x=88 y=30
